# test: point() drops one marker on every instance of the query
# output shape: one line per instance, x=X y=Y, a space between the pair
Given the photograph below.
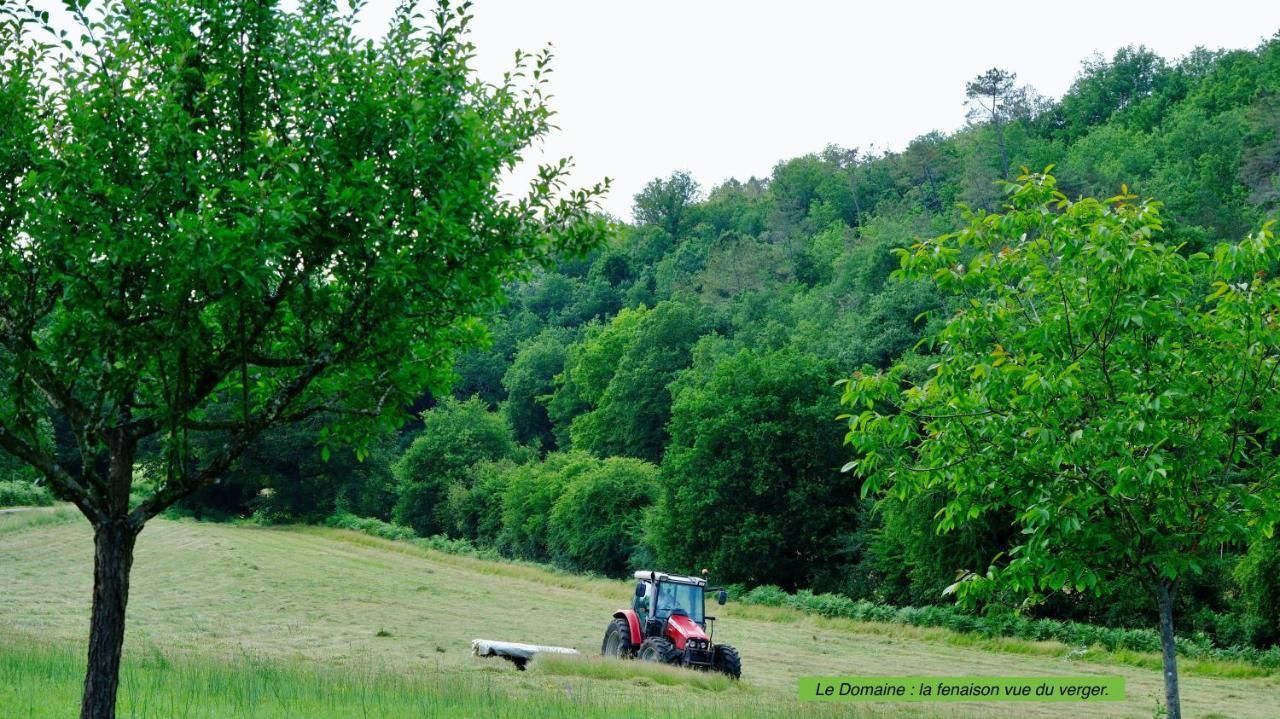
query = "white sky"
x=726 y=88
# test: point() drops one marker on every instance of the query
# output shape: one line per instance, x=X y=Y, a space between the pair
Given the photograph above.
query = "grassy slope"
x=313 y=601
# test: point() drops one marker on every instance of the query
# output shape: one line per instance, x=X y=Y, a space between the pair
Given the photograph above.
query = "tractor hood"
x=681 y=629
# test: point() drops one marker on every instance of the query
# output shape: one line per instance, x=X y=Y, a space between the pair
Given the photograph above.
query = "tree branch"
x=57 y=476
x=271 y=414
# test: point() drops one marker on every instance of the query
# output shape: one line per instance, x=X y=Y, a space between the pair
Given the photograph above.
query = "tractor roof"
x=646 y=574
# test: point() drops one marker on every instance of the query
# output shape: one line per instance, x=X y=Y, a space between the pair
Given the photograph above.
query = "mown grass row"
x=462 y=553
x=16 y=521
x=1093 y=644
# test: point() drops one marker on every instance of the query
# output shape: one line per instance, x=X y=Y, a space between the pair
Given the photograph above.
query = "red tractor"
x=667 y=623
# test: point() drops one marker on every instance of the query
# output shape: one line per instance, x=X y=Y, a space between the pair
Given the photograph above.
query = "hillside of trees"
x=669 y=400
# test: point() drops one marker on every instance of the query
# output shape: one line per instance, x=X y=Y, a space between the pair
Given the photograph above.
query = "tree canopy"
x=751 y=482
x=220 y=217
x=665 y=203
x=1091 y=390
x=455 y=435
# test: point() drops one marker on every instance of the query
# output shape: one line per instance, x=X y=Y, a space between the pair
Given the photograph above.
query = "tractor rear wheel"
x=617 y=640
x=658 y=649
x=727 y=661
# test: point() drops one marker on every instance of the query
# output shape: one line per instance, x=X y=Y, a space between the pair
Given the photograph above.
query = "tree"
x=991 y=96
x=666 y=203
x=849 y=160
x=529 y=381
x=925 y=159
x=1091 y=390
x=593 y=298
x=455 y=435
x=795 y=183
x=595 y=525
x=1100 y=160
x=548 y=295
x=736 y=265
x=1260 y=165
x=529 y=494
x=753 y=464
x=475 y=506
x=1105 y=87
x=480 y=369
x=629 y=417
x=14 y=469
x=221 y=217
x=589 y=367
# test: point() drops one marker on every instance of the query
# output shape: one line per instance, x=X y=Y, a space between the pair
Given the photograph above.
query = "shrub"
x=441 y=543
x=530 y=494
x=400 y=533
x=20 y=493
x=826 y=605
x=1141 y=640
x=768 y=595
x=367 y=525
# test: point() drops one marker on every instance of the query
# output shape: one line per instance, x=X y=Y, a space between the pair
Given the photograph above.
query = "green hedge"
x=1197 y=645
x=401 y=533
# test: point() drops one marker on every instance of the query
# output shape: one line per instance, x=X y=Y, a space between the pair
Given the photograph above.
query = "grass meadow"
x=228 y=621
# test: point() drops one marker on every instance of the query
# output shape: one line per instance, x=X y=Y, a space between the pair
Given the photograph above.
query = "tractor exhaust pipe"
x=711 y=621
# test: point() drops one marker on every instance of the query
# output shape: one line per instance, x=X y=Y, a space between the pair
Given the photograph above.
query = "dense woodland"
x=669 y=400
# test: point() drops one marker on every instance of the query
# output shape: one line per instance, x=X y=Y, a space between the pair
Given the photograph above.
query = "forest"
x=668 y=399
x=677 y=397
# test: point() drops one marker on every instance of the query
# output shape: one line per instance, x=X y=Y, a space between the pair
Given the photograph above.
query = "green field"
x=307 y=622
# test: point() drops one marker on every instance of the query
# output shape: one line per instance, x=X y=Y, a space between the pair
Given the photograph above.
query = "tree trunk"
x=1004 y=152
x=853 y=189
x=112 y=559
x=1164 y=594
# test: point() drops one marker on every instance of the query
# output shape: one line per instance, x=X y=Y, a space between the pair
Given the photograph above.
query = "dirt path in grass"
x=327 y=596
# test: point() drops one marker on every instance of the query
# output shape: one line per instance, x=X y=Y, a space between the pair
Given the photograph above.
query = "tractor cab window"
x=684 y=599
x=640 y=604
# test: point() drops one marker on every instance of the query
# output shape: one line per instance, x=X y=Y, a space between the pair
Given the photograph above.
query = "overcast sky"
x=726 y=88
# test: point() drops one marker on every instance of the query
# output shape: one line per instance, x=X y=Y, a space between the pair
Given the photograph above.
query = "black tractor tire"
x=617 y=640
x=727 y=661
x=658 y=649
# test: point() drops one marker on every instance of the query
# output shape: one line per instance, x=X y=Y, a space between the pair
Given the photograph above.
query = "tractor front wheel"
x=727 y=661
x=617 y=640
x=658 y=649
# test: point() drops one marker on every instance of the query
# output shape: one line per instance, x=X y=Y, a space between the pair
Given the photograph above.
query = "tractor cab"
x=668 y=623
x=660 y=596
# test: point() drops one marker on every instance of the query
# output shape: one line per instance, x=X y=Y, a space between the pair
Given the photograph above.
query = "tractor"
x=667 y=623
